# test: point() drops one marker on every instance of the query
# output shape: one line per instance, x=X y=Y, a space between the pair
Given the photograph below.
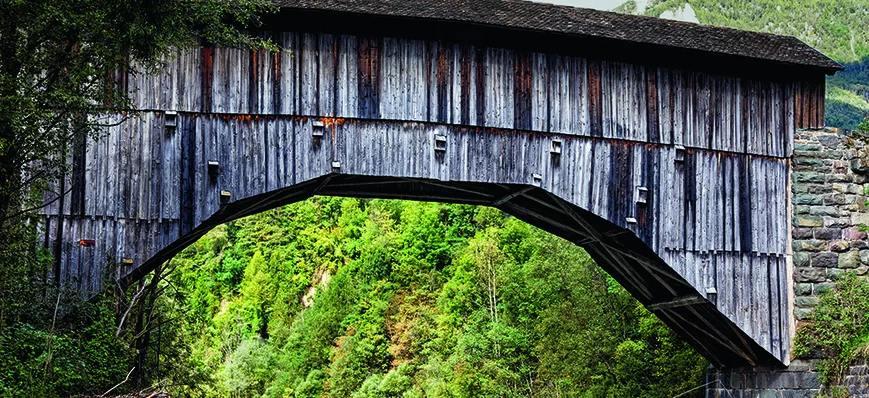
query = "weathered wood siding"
x=711 y=150
x=396 y=79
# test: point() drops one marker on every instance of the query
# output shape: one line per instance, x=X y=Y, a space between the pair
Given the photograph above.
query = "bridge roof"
x=589 y=24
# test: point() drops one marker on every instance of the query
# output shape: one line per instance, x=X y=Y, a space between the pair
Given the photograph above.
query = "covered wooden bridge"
x=661 y=147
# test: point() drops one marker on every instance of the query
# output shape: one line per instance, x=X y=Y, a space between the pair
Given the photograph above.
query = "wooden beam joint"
x=511 y=196
x=677 y=302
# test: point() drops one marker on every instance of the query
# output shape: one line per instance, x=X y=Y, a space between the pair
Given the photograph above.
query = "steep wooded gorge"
x=379 y=298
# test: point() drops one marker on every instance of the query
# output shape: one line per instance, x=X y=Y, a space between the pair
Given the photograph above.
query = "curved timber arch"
x=674 y=177
x=416 y=160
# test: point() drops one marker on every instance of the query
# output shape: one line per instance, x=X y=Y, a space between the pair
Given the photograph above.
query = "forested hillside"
x=341 y=297
x=838 y=28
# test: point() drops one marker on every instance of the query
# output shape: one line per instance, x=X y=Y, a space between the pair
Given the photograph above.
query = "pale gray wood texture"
x=711 y=154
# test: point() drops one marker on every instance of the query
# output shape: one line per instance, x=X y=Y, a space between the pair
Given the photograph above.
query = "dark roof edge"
x=543 y=40
x=829 y=70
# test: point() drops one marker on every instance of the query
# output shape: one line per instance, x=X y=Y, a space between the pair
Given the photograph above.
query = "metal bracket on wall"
x=555 y=150
x=317 y=127
x=440 y=143
x=641 y=195
x=680 y=153
x=170 y=120
x=712 y=294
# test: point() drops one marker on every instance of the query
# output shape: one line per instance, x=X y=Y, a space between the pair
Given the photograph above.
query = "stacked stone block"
x=829 y=205
x=797 y=381
x=857 y=381
x=829 y=196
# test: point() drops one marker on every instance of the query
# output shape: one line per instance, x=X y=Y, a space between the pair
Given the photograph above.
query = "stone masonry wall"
x=857 y=381
x=828 y=204
x=829 y=196
x=797 y=381
x=800 y=380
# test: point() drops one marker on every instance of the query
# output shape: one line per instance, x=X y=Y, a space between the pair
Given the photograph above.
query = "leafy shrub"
x=838 y=326
x=422 y=299
x=247 y=369
x=67 y=361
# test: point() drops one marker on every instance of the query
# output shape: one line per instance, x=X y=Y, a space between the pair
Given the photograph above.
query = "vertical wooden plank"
x=326 y=75
x=252 y=80
x=499 y=88
x=442 y=82
x=677 y=86
x=369 y=78
x=167 y=186
x=725 y=172
x=431 y=71
x=309 y=68
x=559 y=94
x=798 y=104
x=414 y=75
x=347 y=85
x=391 y=87
x=221 y=96
x=187 y=174
x=820 y=95
x=155 y=181
x=136 y=169
x=807 y=102
x=113 y=139
x=579 y=97
x=455 y=85
x=526 y=94
x=474 y=85
x=197 y=173
x=664 y=108
x=652 y=110
x=595 y=99
x=288 y=97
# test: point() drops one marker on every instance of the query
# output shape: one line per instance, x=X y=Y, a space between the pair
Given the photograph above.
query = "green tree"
x=55 y=85
x=359 y=307
x=256 y=294
x=246 y=370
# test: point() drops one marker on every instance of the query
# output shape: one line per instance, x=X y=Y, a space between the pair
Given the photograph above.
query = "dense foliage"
x=838 y=330
x=348 y=298
x=55 y=63
x=62 y=357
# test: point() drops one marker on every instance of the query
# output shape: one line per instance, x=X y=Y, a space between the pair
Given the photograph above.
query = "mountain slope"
x=838 y=28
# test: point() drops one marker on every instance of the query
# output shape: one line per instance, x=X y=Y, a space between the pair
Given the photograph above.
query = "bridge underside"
x=617 y=250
